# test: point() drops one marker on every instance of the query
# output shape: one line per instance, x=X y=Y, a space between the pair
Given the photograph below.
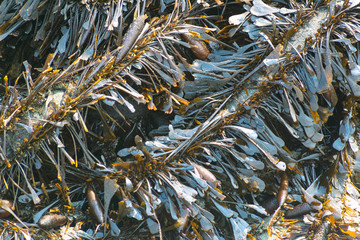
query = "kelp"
x=139 y=119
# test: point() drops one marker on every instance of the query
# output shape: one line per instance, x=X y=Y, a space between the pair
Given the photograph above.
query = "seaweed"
x=179 y=119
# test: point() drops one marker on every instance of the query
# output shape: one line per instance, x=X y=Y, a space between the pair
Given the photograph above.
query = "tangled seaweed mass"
x=174 y=119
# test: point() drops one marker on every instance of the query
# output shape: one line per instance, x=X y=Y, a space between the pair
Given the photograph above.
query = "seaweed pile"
x=179 y=119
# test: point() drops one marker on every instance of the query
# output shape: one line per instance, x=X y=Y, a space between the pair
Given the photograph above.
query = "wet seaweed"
x=179 y=119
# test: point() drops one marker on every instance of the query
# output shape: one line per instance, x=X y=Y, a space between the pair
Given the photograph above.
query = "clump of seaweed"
x=139 y=119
